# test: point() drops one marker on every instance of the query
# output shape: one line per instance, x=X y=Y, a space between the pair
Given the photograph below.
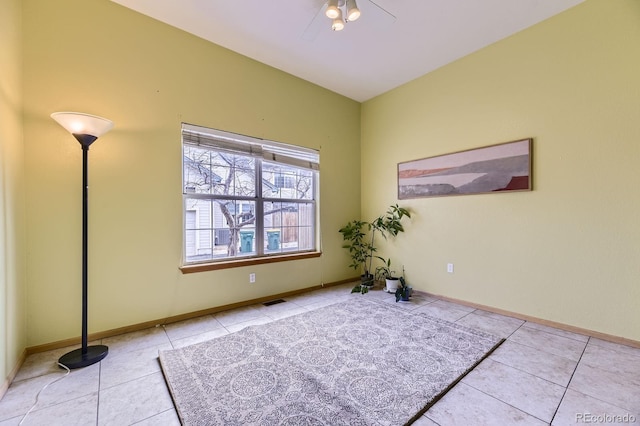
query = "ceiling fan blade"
x=319 y=22
x=377 y=14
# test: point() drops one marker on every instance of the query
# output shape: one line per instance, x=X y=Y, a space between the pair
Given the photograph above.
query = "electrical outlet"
x=252 y=277
x=450 y=268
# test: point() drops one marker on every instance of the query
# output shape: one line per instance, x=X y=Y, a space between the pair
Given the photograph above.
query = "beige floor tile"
x=578 y=408
x=454 y=305
x=124 y=367
x=52 y=388
x=465 y=406
x=307 y=298
x=255 y=321
x=615 y=388
x=76 y=412
x=239 y=315
x=557 y=331
x=22 y=395
x=42 y=363
x=149 y=337
x=45 y=362
x=495 y=326
x=524 y=391
x=612 y=359
x=166 y=418
x=547 y=366
x=11 y=422
x=515 y=322
x=548 y=342
x=424 y=421
x=191 y=327
x=282 y=310
x=134 y=401
x=276 y=315
x=198 y=338
x=614 y=346
x=80 y=382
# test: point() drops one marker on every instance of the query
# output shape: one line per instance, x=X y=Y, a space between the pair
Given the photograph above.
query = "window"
x=246 y=197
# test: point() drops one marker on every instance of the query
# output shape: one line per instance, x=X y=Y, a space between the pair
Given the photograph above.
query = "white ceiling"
x=376 y=53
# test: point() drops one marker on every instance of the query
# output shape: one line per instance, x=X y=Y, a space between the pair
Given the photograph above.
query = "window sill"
x=202 y=267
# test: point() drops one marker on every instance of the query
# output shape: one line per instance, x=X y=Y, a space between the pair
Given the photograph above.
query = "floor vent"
x=273 y=302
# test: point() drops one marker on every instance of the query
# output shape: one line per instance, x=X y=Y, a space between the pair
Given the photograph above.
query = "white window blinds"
x=246 y=145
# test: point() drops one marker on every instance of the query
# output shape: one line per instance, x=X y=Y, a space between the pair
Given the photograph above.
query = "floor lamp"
x=86 y=129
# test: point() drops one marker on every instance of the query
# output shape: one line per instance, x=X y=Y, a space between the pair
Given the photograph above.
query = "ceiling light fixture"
x=338 y=22
x=353 y=12
x=337 y=9
x=332 y=9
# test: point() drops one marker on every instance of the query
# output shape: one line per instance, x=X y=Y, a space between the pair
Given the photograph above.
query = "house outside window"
x=246 y=197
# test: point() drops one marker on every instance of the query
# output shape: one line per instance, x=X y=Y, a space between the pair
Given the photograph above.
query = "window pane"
x=214 y=229
x=198 y=230
x=234 y=174
x=283 y=181
x=288 y=227
x=207 y=172
x=198 y=176
x=238 y=225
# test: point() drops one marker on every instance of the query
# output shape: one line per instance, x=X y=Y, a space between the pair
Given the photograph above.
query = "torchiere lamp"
x=86 y=129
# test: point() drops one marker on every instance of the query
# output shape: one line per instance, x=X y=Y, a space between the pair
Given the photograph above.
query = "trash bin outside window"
x=246 y=241
x=273 y=240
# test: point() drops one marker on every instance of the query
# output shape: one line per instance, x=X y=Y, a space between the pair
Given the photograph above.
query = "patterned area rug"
x=353 y=363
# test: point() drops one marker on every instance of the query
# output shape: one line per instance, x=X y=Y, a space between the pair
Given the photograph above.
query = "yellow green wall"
x=566 y=252
x=570 y=250
x=12 y=223
x=97 y=57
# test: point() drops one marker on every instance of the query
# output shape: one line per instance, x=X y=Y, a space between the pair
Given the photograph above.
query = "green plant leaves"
x=362 y=250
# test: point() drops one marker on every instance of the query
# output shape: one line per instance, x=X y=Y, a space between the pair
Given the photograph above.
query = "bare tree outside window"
x=222 y=191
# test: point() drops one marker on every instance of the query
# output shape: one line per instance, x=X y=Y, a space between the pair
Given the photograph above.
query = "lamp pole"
x=85 y=245
x=86 y=129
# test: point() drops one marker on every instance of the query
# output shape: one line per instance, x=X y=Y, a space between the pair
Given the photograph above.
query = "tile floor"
x=540 y=375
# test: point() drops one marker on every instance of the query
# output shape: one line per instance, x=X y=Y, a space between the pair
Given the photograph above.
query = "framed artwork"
x=496 y=168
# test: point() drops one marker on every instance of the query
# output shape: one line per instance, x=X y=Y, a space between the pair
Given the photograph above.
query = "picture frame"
x=503 y=167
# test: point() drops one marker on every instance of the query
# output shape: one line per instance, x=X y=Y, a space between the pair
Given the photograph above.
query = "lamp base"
x=78 y=359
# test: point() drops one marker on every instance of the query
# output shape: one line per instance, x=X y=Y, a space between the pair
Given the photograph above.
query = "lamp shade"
x=338 y=23
x=78 y=123
x=353 y=12
x=332 y=9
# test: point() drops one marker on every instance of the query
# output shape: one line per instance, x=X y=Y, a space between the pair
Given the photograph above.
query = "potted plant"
x=360 y=250
x=384 y=272
x=389 y=223
x=403 y=292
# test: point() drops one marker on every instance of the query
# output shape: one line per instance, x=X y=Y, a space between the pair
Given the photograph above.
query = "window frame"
x=260 y=150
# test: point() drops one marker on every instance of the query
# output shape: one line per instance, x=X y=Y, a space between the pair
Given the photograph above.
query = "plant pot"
x=403 y=295
x=392 y=284
x=366 y=280
x=405 y=298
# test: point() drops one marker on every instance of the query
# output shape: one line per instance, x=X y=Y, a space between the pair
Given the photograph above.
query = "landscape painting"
x=495 y=168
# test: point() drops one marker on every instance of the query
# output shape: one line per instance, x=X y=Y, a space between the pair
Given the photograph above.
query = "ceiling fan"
x=335 y=14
